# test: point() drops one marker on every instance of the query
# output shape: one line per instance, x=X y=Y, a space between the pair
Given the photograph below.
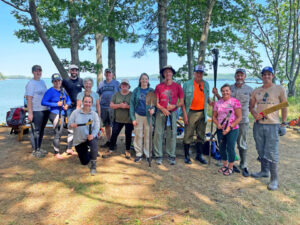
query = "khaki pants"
x=196 y=122
x=141 y=132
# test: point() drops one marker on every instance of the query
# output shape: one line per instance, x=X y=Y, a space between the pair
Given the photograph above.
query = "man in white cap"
x=107 y=89
x=73 y=85
x=242 y=92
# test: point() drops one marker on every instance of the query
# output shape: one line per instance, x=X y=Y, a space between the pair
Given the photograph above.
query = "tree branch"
x=16 y=7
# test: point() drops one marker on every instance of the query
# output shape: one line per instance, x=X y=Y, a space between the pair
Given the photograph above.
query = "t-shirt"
x=51 y=97
x=106 y=91
x=73 y=87
x=198 y=97
x=95 y=97
x=243 y=94
x=121 y=115
x=36 y=89
x=141 y=105
x=223 y=107
x=168 y=94
x=268 y=97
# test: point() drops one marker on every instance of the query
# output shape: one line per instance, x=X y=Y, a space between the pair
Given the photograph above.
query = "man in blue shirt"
x=107 y=89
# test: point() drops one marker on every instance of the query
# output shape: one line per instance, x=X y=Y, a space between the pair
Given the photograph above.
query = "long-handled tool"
x=35 y=137
x=151 y=101
x=85 y=124
x=223 y=121
x=274 y=108
x=215 y=53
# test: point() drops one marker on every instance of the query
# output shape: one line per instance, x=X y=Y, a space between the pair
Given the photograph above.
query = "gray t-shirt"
x=95 y=97
x=243 y=94
x=36 y=89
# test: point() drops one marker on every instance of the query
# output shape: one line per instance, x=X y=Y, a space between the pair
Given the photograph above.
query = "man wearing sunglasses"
x=196 y=98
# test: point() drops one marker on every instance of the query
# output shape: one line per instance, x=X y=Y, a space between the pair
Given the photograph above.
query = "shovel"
x=151 y=101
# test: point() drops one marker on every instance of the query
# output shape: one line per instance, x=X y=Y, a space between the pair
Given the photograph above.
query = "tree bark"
x=205 y=30
x=74 y=41
x=189 y=40
x=43 y=37
x=162 y=36
x=112 y=55
x=99 y=40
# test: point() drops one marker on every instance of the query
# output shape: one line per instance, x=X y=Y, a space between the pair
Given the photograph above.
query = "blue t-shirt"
x=141 y=106
x=106 y=91
x=51 y=97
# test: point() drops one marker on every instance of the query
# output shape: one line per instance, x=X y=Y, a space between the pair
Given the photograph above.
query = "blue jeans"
x=227 y=144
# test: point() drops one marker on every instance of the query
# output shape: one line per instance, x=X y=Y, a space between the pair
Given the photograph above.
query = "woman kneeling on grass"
x=226 y=115
x=58 y=101
x=85 y=134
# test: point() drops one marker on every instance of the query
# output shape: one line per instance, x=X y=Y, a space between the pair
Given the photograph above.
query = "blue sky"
x=17 y=58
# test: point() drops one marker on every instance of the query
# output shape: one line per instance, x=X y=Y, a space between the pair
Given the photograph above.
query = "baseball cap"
x=199 y=68
x=108 y=70
x=73 y=66
x=126 y=81
x=267 y=68
x=36 y=67
x=240 y=70
x=167 y=67
x=56 y=76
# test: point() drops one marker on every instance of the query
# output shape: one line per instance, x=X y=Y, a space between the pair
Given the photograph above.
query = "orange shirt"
x=198 y=97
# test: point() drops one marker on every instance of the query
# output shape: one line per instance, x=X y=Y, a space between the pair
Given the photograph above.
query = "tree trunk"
x=162 y=36
x=74 y=41
x=190 y=54
x=99 y=40
x=43 y=37
x=112 y=55
x=205 y=30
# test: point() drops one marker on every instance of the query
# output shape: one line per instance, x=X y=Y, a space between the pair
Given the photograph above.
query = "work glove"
x=282 y=130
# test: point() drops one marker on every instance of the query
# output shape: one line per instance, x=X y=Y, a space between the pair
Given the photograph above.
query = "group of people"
x=117 y=107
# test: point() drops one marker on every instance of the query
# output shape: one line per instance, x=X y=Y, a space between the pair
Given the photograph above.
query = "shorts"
x=107 y=116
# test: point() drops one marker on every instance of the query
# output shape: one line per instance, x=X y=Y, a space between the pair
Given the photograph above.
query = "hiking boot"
x=107 y=154
x=187 y=159
x=245 y=172
x=158 y=160
x=264 y=171
x=273 y=185
x=243 y=158
x=138 y=159
x=199 y=157
x=172 y=161
x=93 y=167
x=127 y=154
x=38 y=154
x=106 y=145
x=45 y=152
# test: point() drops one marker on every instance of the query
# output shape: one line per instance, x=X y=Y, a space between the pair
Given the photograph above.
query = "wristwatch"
x=284 y=123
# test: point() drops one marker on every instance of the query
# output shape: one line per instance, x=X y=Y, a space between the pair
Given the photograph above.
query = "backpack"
x=15 y=117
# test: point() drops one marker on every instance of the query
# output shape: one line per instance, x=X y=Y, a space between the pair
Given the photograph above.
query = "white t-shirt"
x=36 y=89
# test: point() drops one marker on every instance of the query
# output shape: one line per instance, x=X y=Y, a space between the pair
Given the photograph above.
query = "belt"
x=200 y=110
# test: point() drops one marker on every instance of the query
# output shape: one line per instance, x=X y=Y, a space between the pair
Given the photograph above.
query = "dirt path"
x=47 y=191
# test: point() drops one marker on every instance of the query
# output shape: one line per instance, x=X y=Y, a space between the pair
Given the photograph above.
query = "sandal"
x=227 y=172
x=223 y=169
x=127 y=154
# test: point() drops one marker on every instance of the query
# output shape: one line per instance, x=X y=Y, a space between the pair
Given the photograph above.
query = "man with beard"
x=242 y=92
x=73 y=85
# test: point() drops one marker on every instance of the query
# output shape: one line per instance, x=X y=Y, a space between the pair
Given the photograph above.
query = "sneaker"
x=245 y=172
x=138 y=159
x=38 y=154
x=172 y=161
x=107 y=154
x=158 y=160
x=127 y=154
x=45 y=152
x=106 y=145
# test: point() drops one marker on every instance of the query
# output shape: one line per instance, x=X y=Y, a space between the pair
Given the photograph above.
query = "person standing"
x=37 y=113
x=196 y=98
x=85 y=137
x=169 y=98
x=73 y=85
x=242 y=92
x=140 y=114
x=266 y=130
x=120 y=102
x=58 y=101
x=107 y=89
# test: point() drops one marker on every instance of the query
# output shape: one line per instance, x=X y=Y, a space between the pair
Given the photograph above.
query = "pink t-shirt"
x=223 y=107
x=168 y=94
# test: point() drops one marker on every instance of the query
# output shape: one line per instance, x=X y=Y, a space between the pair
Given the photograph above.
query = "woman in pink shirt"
x=227 y=114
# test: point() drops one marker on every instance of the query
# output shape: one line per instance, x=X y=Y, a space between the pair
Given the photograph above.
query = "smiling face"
x=87 y=102
x=144 y=81
x=57 y=84
x=240 y=77
x=168 y=73
x=88 y=85
x=37 y=74
x=109 y=76
x=198 y=76
x=226 y=92
x=74 y=73
x=267 y=77
x=124 y=87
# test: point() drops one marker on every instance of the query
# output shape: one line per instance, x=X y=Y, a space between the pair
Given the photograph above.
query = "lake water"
x=12 y=91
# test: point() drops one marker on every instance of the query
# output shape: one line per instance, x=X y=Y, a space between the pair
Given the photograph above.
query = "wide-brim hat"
x=167 y=67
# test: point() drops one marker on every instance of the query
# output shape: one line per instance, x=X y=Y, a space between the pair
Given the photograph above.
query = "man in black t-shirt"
x=73 y=85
